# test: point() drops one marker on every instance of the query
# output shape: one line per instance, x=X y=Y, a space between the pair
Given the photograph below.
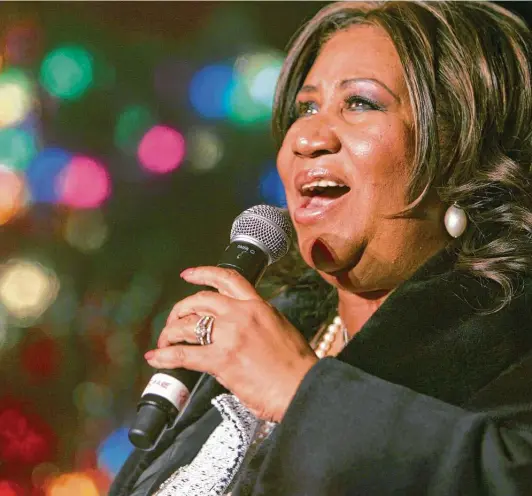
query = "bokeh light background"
x=131 y=135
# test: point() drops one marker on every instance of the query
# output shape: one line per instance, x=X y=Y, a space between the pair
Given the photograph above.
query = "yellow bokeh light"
x=14 y=104
x=78 y=484
x=86 y=230
x=205 y=149
x=16 y=96
x=27 y=288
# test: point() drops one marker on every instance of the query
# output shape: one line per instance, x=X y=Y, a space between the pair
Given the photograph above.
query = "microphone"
x=260 y=236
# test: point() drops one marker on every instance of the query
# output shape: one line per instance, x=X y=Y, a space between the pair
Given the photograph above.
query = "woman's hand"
x=255 y=352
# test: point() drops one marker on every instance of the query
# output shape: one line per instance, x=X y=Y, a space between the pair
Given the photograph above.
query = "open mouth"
x=321 y=193
x=317 y=198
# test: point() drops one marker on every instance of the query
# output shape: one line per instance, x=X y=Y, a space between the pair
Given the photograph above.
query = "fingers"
x=228 y=282
x=199 y=358
x=233 y=290
x=202 y=303
x=179 y=331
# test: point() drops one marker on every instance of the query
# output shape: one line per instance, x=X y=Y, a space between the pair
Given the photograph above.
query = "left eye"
x=358 y=104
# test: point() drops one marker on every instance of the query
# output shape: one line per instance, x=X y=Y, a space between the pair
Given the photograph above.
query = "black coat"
x=432 y=397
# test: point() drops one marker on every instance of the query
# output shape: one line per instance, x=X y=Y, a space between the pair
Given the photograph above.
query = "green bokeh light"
x=251 y=98
x=243 y=109
x=131 y=125
x=67 y=72
x=17 y=148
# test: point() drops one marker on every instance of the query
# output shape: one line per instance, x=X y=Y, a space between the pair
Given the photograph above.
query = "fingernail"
x=149 y=355
x=187 y=272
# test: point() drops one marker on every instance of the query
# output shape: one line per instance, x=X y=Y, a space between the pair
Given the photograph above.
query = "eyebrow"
x=308 y=88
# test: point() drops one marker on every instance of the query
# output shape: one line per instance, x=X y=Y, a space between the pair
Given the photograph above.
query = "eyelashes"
x=353 y=103
x=363 y=101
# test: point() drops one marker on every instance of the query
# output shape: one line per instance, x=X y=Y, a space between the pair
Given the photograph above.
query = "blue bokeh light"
x=262 y=88
x=210 y=90
x=42 y=173
x=271 y=188
x=114 y=450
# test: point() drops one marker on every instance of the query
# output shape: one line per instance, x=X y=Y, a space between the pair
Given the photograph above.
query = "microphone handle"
x=246 y=258
x=169 y=391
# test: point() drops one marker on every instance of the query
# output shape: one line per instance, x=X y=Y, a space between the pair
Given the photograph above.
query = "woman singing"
x=398 y=360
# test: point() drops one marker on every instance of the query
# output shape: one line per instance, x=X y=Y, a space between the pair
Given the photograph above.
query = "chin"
x=343 y=279
x=350 y=282
x=336 y=264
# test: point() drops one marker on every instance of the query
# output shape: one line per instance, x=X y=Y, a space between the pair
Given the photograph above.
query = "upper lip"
x=308 y=176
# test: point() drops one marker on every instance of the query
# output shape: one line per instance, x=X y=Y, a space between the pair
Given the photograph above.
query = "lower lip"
x=310 y=214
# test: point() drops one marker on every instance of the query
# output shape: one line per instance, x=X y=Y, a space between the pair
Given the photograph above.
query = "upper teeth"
x=321 y=184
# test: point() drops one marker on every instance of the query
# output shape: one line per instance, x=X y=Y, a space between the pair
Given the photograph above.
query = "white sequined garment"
x=218 y=461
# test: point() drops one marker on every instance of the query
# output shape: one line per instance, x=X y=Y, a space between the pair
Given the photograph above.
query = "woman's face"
x=345 y=162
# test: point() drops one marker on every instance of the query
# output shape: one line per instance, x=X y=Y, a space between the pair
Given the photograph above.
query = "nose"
x=315 y=139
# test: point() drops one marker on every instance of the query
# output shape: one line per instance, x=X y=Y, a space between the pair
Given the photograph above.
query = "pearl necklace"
x=321 y=349
x=329 y=336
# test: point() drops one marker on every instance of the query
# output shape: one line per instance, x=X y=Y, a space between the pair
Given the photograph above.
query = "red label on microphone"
x=168 y=387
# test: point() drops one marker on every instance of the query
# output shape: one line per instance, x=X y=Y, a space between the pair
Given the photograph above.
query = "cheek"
x=284 y=167
x=381 y=158
x=362 y=149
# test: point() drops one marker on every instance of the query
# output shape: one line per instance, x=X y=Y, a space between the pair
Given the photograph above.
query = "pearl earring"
x=455 y=221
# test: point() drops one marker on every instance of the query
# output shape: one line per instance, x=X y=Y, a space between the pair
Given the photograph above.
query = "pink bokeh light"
x=161 y=149
x=84 y=183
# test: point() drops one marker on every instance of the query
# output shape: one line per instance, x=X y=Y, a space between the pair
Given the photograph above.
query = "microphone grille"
x=267 y=226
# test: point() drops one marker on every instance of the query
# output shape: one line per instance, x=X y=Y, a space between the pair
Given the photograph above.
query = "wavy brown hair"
x=468 y=71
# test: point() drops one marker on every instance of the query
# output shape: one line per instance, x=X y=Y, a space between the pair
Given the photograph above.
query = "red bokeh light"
x=10 y=488
x=41 y=358
x=25 y=438
x=23 y=42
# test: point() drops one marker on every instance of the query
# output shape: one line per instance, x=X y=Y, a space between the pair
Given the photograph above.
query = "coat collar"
x=431 y=336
